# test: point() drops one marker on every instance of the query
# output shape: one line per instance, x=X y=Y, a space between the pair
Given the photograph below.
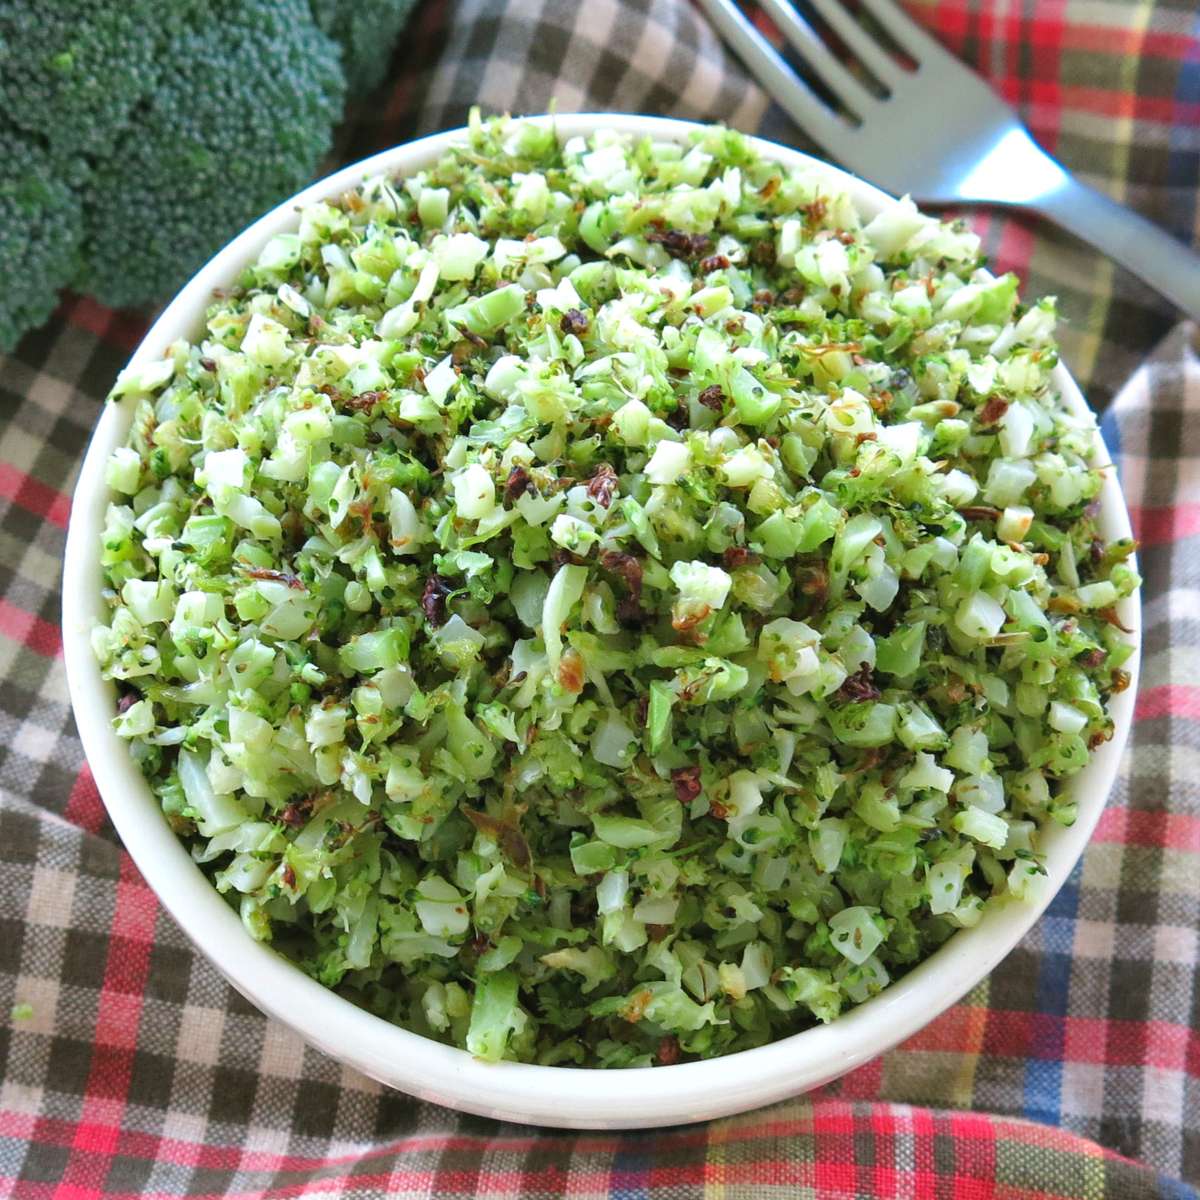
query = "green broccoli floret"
x=212 y=148
x=40 y=233
x=366 y=30
x=136 y=136
x=72 y=71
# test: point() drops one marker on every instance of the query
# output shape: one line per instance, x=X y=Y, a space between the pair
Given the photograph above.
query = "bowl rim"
x=567 y=1097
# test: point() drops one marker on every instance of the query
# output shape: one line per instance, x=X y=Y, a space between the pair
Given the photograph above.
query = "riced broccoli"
x=604 y=603
x=156 y=130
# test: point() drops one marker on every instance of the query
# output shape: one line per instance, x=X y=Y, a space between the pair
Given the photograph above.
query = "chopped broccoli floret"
x=555 y=729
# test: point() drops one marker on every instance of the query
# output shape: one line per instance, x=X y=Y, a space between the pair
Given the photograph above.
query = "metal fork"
x=937 y=132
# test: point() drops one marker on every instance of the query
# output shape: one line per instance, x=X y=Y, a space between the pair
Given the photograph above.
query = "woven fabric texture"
x=1074 y=1071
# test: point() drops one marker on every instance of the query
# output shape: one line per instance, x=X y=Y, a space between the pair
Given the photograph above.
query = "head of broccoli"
x=138 y=136
x=40 y=232
x=365 y=32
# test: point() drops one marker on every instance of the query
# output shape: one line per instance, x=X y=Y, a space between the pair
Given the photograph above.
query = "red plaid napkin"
x=137 y=1072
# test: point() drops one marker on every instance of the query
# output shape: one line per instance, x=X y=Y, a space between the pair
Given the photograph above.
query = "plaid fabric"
x=140 y=1073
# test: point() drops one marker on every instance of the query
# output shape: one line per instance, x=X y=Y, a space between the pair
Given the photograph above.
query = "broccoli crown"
x=211 y=149
x=366 y=30
x=72 y=71
x=39 y=232
x=138 y=135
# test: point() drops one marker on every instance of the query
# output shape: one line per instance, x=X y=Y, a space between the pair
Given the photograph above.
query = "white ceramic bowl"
x=561 y=1096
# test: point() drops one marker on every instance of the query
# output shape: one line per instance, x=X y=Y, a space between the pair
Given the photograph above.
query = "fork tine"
x=777 y=78
x=906 y=32
x=808 y=44
x=861 y=44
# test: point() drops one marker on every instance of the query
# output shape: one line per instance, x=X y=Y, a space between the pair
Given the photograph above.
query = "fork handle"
x=1154 y=256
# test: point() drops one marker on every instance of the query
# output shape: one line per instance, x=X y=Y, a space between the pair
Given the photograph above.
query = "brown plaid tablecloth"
x=131 y=1069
